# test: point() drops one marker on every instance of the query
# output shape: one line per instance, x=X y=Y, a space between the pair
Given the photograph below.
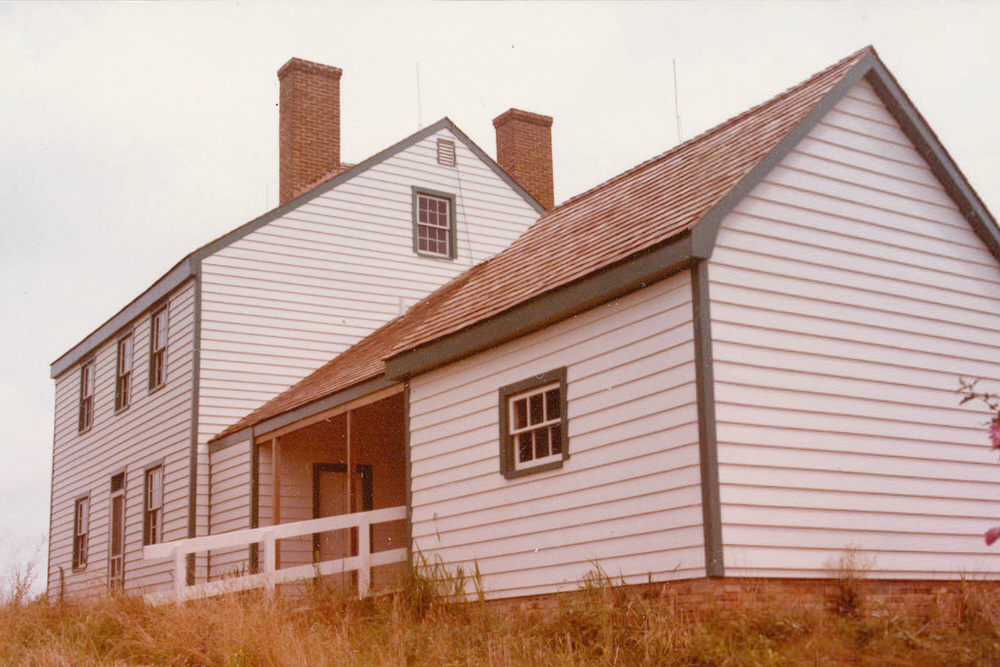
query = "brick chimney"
x=524 y=150
x=308 y=125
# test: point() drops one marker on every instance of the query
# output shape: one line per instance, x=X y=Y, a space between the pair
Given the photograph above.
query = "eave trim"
x=706 y=230
x=159 y=290
x=303 y=412
x=606 y=285
x=191 y=265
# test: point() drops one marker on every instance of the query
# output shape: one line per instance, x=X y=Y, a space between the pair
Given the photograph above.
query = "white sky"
x=133 y=133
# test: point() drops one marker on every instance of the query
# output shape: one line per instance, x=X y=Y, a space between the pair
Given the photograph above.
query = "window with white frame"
x=81 y=528
x=158 y=348
x=86 y=417
x=152 y=524
x=533 y=424
x=123 y=373
x=433 y=223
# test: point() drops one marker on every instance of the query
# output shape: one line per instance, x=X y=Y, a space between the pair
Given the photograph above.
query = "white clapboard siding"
x=229 y=508
x=293 y=294
x=848 y=297
x=628 y=499
x=155 y=427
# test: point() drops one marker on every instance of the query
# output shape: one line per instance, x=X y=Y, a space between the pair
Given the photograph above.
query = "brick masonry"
x=309 y=124
x=524 y=150
x=841 y=595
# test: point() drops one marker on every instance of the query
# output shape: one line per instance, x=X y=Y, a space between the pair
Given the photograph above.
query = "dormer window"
x=433 y=223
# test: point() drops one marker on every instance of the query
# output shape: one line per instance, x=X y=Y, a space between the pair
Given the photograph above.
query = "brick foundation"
x=840 y=596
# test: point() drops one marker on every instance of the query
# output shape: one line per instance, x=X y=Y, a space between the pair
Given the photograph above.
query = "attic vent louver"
x=446 y=152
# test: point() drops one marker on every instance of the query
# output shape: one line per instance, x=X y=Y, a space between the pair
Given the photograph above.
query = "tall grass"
x=423 y=624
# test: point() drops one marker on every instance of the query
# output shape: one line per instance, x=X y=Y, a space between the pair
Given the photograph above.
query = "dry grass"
x=600 y=625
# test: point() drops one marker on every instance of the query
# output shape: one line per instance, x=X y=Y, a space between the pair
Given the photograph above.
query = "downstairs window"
x=533 y=433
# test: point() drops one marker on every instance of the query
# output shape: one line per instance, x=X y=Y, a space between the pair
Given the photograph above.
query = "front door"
x=330 y=498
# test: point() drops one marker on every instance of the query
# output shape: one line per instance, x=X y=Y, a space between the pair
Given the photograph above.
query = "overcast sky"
x=134 y=133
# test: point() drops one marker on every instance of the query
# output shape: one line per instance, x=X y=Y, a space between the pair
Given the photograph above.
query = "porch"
x=324 y=496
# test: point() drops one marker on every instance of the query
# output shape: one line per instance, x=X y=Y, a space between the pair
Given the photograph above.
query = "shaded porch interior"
x=345 y=461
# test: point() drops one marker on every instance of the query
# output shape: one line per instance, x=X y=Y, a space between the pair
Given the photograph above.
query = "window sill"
x=553 y=465
x=429 y=255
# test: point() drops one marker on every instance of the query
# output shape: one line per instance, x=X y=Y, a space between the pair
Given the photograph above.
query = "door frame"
x=364 y=471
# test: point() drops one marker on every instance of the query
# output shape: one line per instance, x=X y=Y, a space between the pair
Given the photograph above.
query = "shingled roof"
x=671 y=205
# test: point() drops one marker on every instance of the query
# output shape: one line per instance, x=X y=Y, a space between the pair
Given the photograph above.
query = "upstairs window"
x=86 y=417
x=158 y=349
x=123 y=374
x=533 y=424
x=433 y=223
x=152 y=525
x=81 y=528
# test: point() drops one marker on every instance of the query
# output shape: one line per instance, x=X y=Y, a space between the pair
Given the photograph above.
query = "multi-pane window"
x=533 y=424
x=116 y=540
x=152 y=525
x=123 y=373
x=81 y=527
x=434 y=224
x=86 y=418
x=158 y=349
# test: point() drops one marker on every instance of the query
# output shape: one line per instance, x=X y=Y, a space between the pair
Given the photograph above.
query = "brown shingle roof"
x=646 y=206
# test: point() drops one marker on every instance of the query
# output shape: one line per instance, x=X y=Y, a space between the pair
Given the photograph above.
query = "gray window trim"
x=452 y=228
x=161 y=308
x=507 y=467
x=446 y=148
x=130 y=333
x=92 y=362
x=145 y=501
x=77 y=566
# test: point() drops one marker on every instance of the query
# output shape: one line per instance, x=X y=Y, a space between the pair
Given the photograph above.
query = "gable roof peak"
x=844 y=64
x=657 y=217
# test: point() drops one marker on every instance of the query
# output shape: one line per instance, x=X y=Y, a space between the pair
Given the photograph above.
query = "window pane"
x=537 y=414
x=520 y=413
x=552 y=405
x=556 y=431
x=524 y=447
x=541 y=442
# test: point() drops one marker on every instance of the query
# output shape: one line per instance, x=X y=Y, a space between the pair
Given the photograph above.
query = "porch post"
x=350 y=475
x=275 y=494
x=276 y=481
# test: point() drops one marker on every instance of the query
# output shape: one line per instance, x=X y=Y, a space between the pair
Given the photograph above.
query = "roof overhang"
x=357 y=395
x=869 y=67
x=608 y=284
x=191 y=265
x=173 y=279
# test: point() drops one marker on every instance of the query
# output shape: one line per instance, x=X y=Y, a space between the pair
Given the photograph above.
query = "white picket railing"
x=268 y=536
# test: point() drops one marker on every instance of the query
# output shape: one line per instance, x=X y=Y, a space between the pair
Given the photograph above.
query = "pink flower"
x=995 y=435
x=992 y=535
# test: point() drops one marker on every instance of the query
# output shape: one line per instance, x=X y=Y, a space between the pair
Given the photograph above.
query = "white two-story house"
x=246 y=316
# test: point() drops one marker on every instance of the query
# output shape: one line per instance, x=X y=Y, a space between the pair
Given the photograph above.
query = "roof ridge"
x=718 y=128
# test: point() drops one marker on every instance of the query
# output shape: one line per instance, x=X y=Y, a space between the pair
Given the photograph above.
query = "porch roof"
x=647 y=222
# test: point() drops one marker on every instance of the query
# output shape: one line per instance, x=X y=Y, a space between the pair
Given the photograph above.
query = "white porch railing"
x=268 y=537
